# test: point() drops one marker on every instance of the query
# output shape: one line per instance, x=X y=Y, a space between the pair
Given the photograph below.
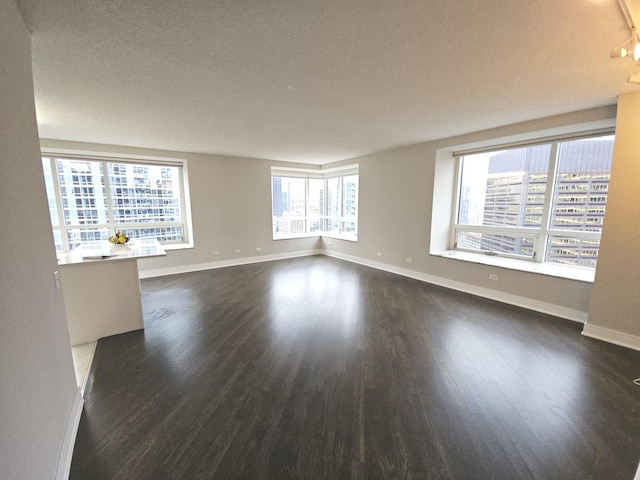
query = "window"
x=315 y=203
x=89 y=199
x=543 y=203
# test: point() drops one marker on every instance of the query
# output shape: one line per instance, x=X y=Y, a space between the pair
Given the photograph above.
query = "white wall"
x=231 y=203
x=231 y=209
x=402 y=190
x=37 y=382
x=614 y=313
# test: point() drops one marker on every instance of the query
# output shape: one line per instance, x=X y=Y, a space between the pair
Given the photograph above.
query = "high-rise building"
x=515 y=195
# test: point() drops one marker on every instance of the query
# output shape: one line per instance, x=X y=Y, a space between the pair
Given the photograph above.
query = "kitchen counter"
x=101 y=288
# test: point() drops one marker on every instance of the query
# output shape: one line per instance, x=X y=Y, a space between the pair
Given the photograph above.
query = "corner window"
x=320 y=203
x=542 y=203
x=89 y=199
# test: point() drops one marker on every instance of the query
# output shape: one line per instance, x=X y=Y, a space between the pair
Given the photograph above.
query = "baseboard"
x=524 y=302
x=611 y=336
x=161 y=272
x=69 y=441
x=593 y=331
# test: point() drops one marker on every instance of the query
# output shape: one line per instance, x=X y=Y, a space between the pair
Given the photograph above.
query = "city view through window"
x=545 y=203
x=320 y=206
x=90 y=200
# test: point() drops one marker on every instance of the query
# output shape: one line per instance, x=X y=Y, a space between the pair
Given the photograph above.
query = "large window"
x=311 y=203
x=542 y=203
x=90 y=199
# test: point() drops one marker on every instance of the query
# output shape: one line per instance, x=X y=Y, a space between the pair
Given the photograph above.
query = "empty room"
x=320 y=240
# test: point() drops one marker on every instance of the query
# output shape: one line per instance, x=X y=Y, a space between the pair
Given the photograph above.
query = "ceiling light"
x=630 y=48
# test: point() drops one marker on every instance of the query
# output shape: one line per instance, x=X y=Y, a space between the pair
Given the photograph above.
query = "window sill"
x=296 y=236
x=570 y=273
x=177 y=246
x=348 y=238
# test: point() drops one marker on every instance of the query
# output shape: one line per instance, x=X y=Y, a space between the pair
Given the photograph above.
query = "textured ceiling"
x=315 y=81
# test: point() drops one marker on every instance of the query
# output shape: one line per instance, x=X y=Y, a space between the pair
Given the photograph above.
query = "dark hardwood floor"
x=315 y=368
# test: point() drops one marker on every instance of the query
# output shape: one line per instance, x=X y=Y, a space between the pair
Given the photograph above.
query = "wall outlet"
x=409 y=260
x=379 y=254
x=258 y=249
x=493 y=277
x=215 y=254
x=329 y=242
x=237 y=250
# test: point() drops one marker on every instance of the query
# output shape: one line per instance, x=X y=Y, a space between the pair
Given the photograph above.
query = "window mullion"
x=545 y=223
x=453 y=234
x=309 y=207
x=185 y=205
x=340 y=204
x=325 y=207
x=58 y=194
x=107 y=192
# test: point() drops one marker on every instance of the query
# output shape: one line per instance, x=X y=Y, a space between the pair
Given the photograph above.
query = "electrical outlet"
x=258 y=249
x=329 y=242
x=237 y=250
x=493 y=277
x=379 y=254
x=215 y=254
x=409 y=260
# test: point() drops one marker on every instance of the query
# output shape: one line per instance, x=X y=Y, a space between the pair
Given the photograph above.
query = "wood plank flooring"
x=315 y=368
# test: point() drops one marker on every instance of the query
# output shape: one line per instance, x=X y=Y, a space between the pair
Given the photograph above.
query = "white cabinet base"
x=102 y=298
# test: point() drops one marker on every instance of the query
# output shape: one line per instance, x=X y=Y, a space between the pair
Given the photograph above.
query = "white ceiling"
x=315 y=80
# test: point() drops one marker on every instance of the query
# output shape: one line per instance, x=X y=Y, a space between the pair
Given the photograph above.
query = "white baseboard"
x=516 y=300
x=593 y=331
x=161 y=272
x=69 y=441
x=524 y=302
x=611 y=336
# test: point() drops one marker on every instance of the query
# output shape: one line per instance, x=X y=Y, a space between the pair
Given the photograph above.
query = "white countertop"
x=104 y=251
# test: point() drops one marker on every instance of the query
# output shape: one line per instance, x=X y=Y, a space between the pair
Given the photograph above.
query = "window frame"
x=62 y=228
x=542 y=234
x=324 y=219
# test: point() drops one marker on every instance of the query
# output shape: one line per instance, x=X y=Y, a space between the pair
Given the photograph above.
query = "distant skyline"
x=507 y=188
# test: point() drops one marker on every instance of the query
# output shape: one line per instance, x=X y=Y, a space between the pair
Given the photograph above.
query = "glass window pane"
x=333 y=197
x=350 y=196
x=349 y=227
x=315 y=207
x=51 y=193
x=288 y=205
x=504 y=188
x=162 y=234
x=57 y=239
x=582 y=184
x=497 y=243
x=333 y=205
x=303 y=205
x=144 y=193
x=572 y=251
x=82 y=192
x=77 y=236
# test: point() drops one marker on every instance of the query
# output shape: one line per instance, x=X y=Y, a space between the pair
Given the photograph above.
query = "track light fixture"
x=630 y=48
